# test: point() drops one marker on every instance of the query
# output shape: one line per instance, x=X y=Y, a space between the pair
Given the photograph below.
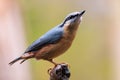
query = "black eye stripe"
x=72 y=16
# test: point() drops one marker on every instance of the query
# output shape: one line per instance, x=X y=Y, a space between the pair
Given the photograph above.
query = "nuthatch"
x=55 y=42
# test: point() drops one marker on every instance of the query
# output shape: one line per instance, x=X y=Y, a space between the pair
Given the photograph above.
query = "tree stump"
x=59 y=72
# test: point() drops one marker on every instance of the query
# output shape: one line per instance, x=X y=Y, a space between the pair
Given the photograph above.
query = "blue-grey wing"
x=50 y=37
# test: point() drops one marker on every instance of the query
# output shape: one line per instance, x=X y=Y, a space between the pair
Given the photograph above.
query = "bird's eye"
x=71 y=16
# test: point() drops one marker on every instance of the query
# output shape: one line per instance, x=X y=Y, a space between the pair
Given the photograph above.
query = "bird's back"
x=51 y=37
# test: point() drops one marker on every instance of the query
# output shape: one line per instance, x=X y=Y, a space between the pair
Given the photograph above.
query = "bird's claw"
x=49 y=70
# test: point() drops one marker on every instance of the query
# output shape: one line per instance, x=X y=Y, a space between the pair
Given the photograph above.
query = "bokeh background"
x=94 y=55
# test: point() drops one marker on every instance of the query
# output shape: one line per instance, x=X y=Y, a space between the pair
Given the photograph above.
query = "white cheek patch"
x=80 y=18
x=68 y=22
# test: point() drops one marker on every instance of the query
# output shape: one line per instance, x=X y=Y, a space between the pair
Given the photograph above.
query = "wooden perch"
x=60 y=72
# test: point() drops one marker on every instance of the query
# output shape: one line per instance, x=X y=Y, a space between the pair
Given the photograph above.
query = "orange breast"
x=51 y=51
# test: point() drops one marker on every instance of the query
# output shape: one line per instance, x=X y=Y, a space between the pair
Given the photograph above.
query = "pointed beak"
x=81 y=13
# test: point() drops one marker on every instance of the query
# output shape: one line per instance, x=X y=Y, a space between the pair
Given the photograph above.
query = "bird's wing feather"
x=50 y=37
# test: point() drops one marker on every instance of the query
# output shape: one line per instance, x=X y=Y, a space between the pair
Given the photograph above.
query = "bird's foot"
x=49 y=70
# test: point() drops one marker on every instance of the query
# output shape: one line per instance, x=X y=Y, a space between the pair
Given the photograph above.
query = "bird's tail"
x=15 y=60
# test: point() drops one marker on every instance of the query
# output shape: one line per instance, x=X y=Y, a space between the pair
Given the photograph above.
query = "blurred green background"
x=94 y=54
x=88 y=56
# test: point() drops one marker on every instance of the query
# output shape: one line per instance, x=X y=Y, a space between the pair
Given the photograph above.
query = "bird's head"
x=73 y=19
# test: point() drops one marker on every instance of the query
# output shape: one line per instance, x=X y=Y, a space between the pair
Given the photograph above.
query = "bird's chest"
x=65 y=42
x=63 y=45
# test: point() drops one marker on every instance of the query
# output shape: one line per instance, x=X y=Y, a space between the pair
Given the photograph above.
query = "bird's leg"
x=51 y=60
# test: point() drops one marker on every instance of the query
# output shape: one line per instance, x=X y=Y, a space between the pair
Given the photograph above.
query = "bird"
x=54 y=42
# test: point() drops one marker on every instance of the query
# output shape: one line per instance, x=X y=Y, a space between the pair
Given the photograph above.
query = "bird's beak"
x=81 y=13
